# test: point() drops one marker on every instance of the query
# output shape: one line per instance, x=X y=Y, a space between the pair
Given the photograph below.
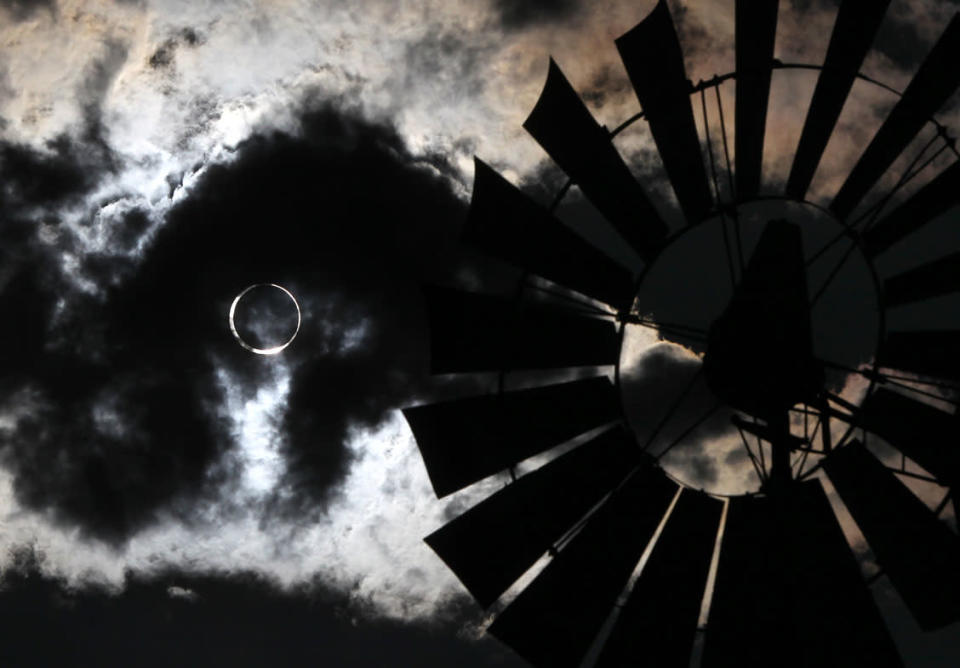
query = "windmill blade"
x=936 y=278
x=474 y=332
x=756 y=31
x=566 y=130
x=925 y=434
x=553 y=622
x=496 y=541
x=928 y=353
x=466 y=440
x=933 y=199
x=658 y=623
x=654 y=60
x=505 y=223
x=788 y=590
x=935 y=81
x=854 y=30
x=916 y=550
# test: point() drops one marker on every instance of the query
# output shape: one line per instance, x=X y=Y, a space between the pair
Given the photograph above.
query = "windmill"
x=786 y=587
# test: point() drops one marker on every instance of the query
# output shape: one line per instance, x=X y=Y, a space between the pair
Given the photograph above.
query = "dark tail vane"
x=554 y=621
x=789 y=591
x=505 y=223
x=476 y=332
x=756 y=26
x=566 y=130
x=933 y=199
x=466 y=440
x=928 y=353
x=935 y=81
x=496 y=541
x=918 y=552
x=657 y=625
x=654 y=60
x=939 y=277
x=853 y=32
x=925 y=434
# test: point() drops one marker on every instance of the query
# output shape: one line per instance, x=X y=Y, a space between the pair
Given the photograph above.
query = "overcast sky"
x=158 y=157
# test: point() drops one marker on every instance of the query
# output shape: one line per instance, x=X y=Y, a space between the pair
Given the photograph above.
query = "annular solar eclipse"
x=265 y=318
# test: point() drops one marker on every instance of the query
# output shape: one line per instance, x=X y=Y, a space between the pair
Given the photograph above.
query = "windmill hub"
x=265 y=318
x=757 y=332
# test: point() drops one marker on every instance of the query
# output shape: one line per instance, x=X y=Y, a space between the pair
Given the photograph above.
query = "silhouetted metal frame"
x=718 y=214
x=722 y=209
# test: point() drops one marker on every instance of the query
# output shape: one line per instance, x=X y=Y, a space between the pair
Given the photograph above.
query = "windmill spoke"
x=873 y=210
x=726 y=156
x=806 y=453
x=833 y=275
x=916 y=476
x=924 y=393
x=675 y=328
x=689 y=430
x=716 y=189
x=924 y=206
x=932 y=383
x=943 y=503
x=763 y=459
x=874 y=213
x=908 y=176
x=673 y=409
x=583 y=306
x=756 y=464
x=885 y=378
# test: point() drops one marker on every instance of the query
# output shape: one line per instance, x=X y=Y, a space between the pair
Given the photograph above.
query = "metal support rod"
x=716 y=189
x=761 y=474
x=907 y=176
x=584 y=307
x=689 y=430
x=763 y=459
x=916 y=476
x=673 y=409
x=824 y=425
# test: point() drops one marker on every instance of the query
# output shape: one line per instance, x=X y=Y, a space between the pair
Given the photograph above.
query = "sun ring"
x=274 y=349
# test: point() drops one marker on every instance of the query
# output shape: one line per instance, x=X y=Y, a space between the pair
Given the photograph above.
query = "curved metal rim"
x=274 y=349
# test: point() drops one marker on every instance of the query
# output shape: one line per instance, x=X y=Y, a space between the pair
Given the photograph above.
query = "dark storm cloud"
x=71 y=164
x=116 y=391
x=342 y=218
x=240 y=620
x=20 y=10
x=515 y=14
x=49 y=178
